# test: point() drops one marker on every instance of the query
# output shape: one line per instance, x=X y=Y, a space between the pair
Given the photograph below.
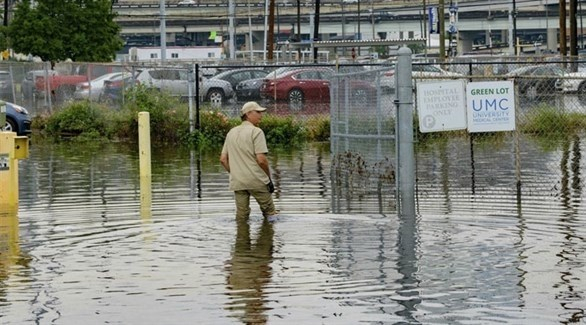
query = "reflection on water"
x=249 y=272
x=83 y=248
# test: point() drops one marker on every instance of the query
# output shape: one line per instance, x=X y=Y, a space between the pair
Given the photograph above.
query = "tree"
x=56 y=30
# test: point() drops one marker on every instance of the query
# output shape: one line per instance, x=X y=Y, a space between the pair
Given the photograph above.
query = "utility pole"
x=299 y=30
x=442 y=31
x=163 y=32
x=271 y=37
x=515 y=51
x=573 y=29
x=359 y=34
x=316 y=30
x=231 y=31
x=563 y=45
x=5 y=12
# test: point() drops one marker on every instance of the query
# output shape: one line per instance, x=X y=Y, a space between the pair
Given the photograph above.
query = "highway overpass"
x=536 y=21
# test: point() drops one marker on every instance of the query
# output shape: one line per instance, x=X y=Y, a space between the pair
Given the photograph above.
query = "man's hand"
x=270 y=186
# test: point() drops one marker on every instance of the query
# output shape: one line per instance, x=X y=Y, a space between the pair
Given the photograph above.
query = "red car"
x=306 y=85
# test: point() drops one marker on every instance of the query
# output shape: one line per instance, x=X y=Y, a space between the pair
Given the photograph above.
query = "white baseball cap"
x=251 y=106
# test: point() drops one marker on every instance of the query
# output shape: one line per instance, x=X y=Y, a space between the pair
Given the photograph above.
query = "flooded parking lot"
x=81 y=249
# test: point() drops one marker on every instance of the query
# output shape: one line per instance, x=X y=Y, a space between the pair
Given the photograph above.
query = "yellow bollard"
x=12 y=148
x=144 y=147
x=8 y=173
x=9 y=242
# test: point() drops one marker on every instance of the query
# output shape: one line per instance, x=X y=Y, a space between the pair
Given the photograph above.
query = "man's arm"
x=263 y=162
x=225 y=162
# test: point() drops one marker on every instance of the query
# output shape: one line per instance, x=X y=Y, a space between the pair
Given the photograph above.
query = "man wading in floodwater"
x=244 y=156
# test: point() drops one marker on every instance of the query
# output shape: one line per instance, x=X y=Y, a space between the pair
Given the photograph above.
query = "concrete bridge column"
x=465 y=42
x=552 y=39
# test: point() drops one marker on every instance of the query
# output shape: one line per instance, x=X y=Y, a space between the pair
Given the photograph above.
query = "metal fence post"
x=405 y=152
x=190 y=87
x=197 y=84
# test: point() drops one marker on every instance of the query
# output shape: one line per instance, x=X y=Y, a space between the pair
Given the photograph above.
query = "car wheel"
x=582 y=88
x=295 y=98
x=215 y=95
x=10 y=126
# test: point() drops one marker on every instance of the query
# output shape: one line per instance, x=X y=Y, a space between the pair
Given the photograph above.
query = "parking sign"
x=491 y=106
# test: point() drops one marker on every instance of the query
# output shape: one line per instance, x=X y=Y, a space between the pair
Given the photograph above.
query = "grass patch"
x=547 y=120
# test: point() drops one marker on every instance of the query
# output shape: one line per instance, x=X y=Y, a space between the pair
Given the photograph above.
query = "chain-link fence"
x=540 y=159
x=360 y=100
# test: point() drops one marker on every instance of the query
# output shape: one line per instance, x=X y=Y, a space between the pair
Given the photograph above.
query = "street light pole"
x=163 y=31
x=359 y=35
x=250 y=32
x=316 y=29
x=299 y=30
x=231 y=29
x=515 y=51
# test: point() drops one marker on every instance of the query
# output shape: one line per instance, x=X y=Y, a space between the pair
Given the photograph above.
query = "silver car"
x=93 y=89
x=176 y=83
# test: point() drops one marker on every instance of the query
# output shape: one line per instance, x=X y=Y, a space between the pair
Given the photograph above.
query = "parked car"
x=539 y=78
x=6 y=86
x=61 y=87
x=250 y=89
x=310 y=85
x=175 y=82
x=93 y=89
x=573 y=82
x=114 y=88
x=234 y=76
x=28 y=85
x=17 y=119
x=216 y=90
x=186 y=2
x=419 y=72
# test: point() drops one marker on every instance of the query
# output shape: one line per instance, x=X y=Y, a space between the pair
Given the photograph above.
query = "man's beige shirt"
x=242 y=144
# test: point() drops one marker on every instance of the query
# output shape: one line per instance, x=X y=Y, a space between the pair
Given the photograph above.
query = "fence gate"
x=362 y=143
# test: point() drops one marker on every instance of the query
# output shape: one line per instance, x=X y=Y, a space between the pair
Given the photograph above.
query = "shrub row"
x=169 y=119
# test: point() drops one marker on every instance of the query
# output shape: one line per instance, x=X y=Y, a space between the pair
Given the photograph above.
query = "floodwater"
x=83 y=250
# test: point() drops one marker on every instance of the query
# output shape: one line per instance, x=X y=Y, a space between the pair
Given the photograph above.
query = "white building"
x=175 y=53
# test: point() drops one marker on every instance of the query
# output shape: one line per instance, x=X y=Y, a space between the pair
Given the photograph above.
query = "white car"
x=186 y=2
x=573 y=82
x=93 y=89
x=419 y=73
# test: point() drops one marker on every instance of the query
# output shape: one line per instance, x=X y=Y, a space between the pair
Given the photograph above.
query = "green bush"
x=283 y=130
x=318 y=128
x=83 y=120
x=169 y=122
x=214 y=125
x=166 y=119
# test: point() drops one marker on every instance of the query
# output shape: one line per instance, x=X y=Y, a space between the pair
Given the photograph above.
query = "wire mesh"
x=541 y=158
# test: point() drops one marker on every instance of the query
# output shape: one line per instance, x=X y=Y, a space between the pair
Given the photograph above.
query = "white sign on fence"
x=441 y=106
x=491 y=106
